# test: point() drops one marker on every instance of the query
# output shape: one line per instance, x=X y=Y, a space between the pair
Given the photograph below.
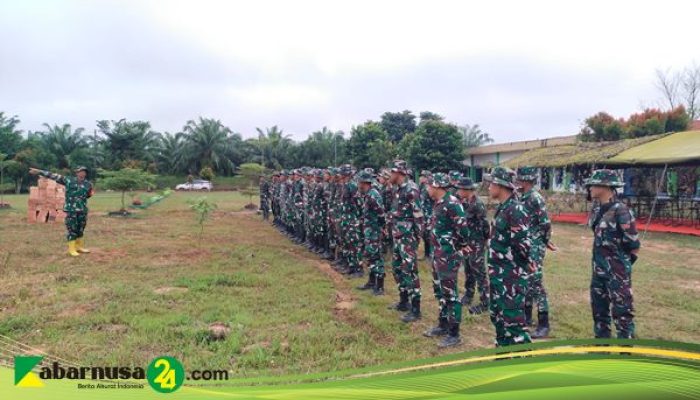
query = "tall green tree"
x=430 y=116
x=171 y=153
x=10 y=136
x=398 y=124
x=369 y=146
x=437 y=146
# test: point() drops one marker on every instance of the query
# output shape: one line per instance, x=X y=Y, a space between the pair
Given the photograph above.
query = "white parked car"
x=197 y=184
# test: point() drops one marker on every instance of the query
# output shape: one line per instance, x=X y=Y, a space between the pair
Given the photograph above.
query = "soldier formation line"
x=354 y=217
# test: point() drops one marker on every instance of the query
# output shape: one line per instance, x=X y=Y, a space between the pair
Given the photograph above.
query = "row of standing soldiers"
x=353 y=217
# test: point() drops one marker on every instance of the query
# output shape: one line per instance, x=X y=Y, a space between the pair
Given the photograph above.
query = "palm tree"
x=63 y=141
x=473 y=136
x=126 y=141
x=273 y=145
x=171 y=153
x=208 y=144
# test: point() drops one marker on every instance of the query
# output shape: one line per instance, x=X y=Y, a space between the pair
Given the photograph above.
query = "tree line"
x=206 y=145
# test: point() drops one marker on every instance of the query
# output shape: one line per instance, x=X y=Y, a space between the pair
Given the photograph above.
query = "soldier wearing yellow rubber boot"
x=78 y=190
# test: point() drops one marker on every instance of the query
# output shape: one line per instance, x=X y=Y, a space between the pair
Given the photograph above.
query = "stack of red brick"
x=46 y=202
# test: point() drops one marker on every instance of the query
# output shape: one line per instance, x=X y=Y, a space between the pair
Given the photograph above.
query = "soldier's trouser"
x=372 y=251
x=507 y=291
x=536 y=291
x=405 y=266
x=353 y=245
x=75 y=225
x=332 y=235
x=611 y=288
x=426 y=243
x=475 y=273
x=445 y=275
x=265 y=208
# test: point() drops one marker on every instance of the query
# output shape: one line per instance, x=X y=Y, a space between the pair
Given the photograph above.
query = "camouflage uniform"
x=427 y=206
x=372 y=225
x=319 y=224
x=75 y=205
x=449 y=234
x=297 y=206
x=508 y=261
x=406 y=218
x=540 y=234
x=614 y=240
x=265 y=198
x=351 y=209
x=475 y=265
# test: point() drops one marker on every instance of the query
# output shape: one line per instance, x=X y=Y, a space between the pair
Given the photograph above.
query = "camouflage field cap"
x=320 y=172
x=400 y=167
x=366 y=175
x=466 y=184
x=346 y=170
x=426 y=173
x=502 y=176
x=455 y=175
x=604 y=177
x=528 y=174
x=440 y=180
x=81 y=168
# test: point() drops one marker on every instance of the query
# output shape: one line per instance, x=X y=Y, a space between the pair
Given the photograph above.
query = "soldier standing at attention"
x=427 y=206
x=350 y=221
x=387 y=196
x=508 y=260
x=615 y=248
x=264 y=187
x=372 y=224
x=78 y=191
x=449 y=236
x=406 y=218
x=540 y=235
x=475 y=265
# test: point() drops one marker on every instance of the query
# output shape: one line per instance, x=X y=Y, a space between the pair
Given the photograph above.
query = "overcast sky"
x=521 y=69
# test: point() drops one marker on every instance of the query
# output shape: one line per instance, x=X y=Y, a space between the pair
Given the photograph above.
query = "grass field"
x=151 y=288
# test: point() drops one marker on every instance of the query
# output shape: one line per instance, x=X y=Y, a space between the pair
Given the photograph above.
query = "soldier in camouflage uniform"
x=340 y=263
x=407 y=222
x=449 y=235
x=264 y=187
x=508 y=260
x=298 y=206
x=454 y=177
x=540 y=235
x=475 y=265
x=78 y=191
x=274 y=197
x=427 y=205
x=307 y=207
x=372 y=225
x=320 y=214
x=615 y=247
x=386 y=190
x=351 y=212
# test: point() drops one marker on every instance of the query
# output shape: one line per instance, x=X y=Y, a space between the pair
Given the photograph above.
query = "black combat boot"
x=528 y=315
x=440 y=330
x=542 y=330
x=402 y=304
x=414 y=314
x=467 y=299
x=356 y=272
x=327 y=254
x=452 y=339
x=478 y=309
x=379 y=286
x=370 y=283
